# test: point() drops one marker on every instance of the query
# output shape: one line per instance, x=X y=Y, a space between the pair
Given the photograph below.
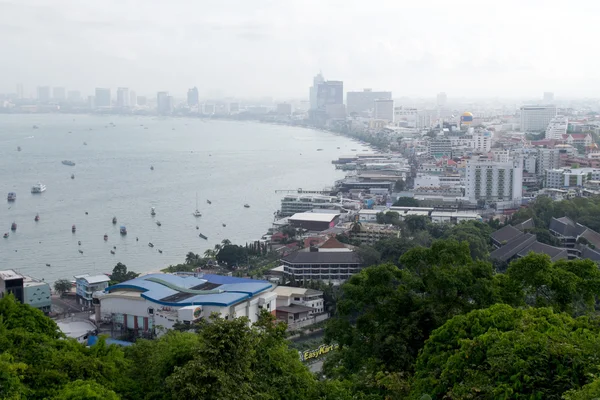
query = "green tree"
x=232 y=255
x=406 y=202
x=368 y=255
x=85 y=390
x=476 y=233
x=192 y=258
x=120 y=274
x=11 y=378
x=62 y=286
x=508 y=353
x=399 y=185
x=416 y=223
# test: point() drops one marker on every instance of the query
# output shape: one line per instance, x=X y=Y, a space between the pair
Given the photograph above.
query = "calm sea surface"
x=229 y=163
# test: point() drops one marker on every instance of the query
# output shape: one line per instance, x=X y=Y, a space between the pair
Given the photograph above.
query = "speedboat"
x=73 y=228
x=38 y=188
x=247 y=205
x=37 y=217
x=152 y=212
x=203 y=237
x=196 y=213
x=105 y=237
x=209 y=202
x=150 y=244
x=12 y=196
x=123 y=230
x=13 y=226
x=158 y=223
x=224 y=225
x=114 y=220
x=69 y=163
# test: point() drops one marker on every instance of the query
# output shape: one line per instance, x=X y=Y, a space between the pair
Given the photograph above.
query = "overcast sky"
x=274 y=48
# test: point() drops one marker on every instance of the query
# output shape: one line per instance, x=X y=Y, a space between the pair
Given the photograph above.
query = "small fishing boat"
x=150 y=244
x=319 y=149
x=73 y=228
x=203 y=237
x=69 y=163
x=158 y=223
x=13 y=227
x=80 y=251
x=152 y=168
x=114 y=221
x=35 y=127
x=12 y=196
x=105 y=237
x=112 y=252
x=37 y=217
x=197 y=227
x=209 y=202
x=137 y=239
x=123 y=230
x=47 y=265
x=115 y=247
x=18 y=148
x=5 y=235
x=152 y=211
x=247 y=205
x=224 y=225
x=85 y=143
x=160 y=251
x=72 y=176
x=79 y=243
x=196 y=213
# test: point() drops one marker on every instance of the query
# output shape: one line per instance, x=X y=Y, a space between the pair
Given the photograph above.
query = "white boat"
x=38 y=188
x=196 y=213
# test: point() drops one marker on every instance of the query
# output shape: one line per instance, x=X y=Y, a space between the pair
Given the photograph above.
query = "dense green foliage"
x=584 y=210
x=120 y=274
x=62 y=286
x=406 y=202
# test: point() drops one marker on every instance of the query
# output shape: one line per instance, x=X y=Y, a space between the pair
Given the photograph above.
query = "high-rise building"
x=208 y=109
x=493 y=181
x=557 y=127
x=91 y=101
x=74 y=95
x=163 y=103
x=362 y=103
x=441 y=99
x=20 y=93
x=122 y=97
x=141 y=100
x=192 y=97
x=536 y=118
x=43 y=94
x=384 y=109
x=284 y=109
x=317 y=80
x=59 y=93
x=132 y=98
x=548 y=97
x=102 y=98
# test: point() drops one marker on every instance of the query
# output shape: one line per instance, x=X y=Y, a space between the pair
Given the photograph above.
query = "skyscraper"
x=20 y=94
x=102 y=98
x=536 y=118
x=384 y=109
x=122 y=97
x=494 y=181
x=59 y=93
x=363 y=102
x=163 y=106
x=317 y=80
x=43 y=94
x=192 y=97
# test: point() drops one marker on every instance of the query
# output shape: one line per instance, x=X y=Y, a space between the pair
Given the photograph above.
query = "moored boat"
x=150 y=244
x=123 y=230
x=5 y=235
x=12 y=196
x=152 y=211
x=68 y=162
x=105 y=237
x=73 y=228
x=203 y=237
x=13 y=226
x=38 y=188
x=114 y=220
x=247 y=205
x=37 y=217
x=158 y=223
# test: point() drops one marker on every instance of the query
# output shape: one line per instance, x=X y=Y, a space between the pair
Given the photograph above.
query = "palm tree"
x=191 y=258
x=356 y=227
x=209 y=253
x=226 y=242
x=217 y=247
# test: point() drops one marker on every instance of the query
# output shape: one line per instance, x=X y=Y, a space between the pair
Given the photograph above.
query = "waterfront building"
x=293 y=204
x=331 y=262
x=59 y=94
x=26 y=290
x=317 y=80
x=20 y=91
x=493 y=181
x=122 y=97
x=145 y=303
x=43 y=94
x=102 y=98
x=536 y=118
x=86 y=285
x=193 y=99
x=132 y=98
x=314 y=221
x=163 y=103
x=330 y=93
x=384 y=109
x=208 y=109
x=74 y=96
x=557 y=127
x=363 y=103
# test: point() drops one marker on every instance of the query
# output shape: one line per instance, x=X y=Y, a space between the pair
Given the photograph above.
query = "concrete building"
x=384 y=109
x=284 y=109
x=132 y=98
x=193 y=99
x=557 y=127
x=413 y=118
x=20 y=91
x=86 y=285
x=441 y=99
x=493 y=181
x=123 y=97
x=91 y=102
x=370 y=233
x=293 y=204
x=43 y=94
x=536 y=118
x=331 y=262
x=314 y=221
x=441 y=147
x=142 y=101
x=102 y=98
x=144 y=304
x=163 y=103
x=330 y=93
x=552 y=158
x=317 y=80
x=363 y=103
x=562 y=178
x=59 y=93
x=26 y=290
x=12 y=282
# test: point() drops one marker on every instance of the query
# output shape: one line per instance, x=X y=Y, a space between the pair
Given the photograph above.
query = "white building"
x=479 y=141
x=384 y=109
x=123 y=97
x=86 y=285
x=536 y=118
x=362 y=103
x=561 y=178
x=494 y=181
x=557 y=127
x=550 y=158
x=412 y=118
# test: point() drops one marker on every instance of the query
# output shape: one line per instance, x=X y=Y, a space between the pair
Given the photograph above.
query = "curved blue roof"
x=180 y=291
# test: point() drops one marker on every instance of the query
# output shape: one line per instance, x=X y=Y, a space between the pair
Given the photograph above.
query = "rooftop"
x=294 y=308
x=93 y=279
x=319 y=217
x=322 y=257
x=9 y=274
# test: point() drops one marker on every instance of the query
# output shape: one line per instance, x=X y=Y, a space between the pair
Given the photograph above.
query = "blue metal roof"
x=179 y=291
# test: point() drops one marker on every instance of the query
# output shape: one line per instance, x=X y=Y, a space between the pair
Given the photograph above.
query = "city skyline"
x=413 y=50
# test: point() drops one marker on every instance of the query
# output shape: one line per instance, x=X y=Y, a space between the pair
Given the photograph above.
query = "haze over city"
x=269 y=48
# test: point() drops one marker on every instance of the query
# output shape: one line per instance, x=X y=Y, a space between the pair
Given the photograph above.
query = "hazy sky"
x=261 y=47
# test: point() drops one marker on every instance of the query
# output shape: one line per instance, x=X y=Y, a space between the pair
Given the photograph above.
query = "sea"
x=227 y=162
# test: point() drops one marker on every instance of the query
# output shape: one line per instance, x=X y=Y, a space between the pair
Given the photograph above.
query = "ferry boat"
x=73 y=228
x=114 y=220
x=37 y=217
x=38 y=188
x=69 y=163
x=203 y=237
x=123 y=230
x=12 y=196
x=13 y=227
